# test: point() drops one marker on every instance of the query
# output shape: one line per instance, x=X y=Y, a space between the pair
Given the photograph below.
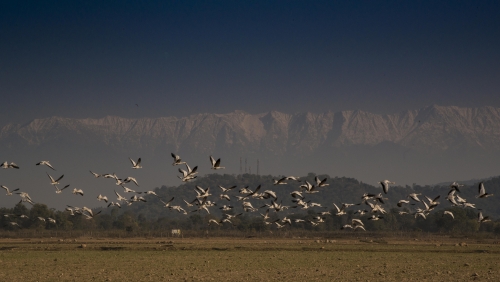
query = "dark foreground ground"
x=249 y=259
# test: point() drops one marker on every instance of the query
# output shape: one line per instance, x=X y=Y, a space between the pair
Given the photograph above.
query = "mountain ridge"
x=432 y=128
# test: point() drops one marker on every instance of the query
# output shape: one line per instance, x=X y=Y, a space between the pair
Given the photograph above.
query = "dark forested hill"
x=153 y=215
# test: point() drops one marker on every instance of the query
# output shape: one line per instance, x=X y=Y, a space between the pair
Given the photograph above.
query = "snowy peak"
x=434 y=128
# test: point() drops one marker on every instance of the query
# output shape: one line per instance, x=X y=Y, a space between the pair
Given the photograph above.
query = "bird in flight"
x=46 y=163
x=136 y=165
x=215 y=163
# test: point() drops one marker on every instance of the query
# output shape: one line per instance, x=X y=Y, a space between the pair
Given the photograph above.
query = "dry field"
x=249 y=259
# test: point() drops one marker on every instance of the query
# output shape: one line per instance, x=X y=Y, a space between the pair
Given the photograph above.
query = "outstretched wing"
x=59 y=178
x=481 y=189
x=51 y=178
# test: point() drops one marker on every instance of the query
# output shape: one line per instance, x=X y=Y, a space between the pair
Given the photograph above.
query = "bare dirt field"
x=249 y=259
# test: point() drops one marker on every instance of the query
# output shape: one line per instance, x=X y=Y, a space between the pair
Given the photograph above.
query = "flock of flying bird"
x=204 y=202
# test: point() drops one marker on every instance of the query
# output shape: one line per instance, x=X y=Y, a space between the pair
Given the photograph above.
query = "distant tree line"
x=153 y=216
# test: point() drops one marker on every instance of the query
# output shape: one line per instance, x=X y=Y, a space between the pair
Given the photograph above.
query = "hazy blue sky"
x=97 y=58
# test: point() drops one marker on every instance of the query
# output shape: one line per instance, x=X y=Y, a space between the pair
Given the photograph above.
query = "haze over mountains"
x=424 y=146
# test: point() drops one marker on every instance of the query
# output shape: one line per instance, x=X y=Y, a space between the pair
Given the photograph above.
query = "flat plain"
x=250 y=259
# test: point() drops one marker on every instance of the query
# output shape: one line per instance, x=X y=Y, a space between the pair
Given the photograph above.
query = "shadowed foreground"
x=251 y=259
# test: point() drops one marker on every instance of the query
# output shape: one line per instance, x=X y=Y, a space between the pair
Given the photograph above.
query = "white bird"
x=340 y=211
x=293 y=178
x=188 y=204
x=245 y=190
x=137 y=199
x=224 y=190
x=210 y=221
x=375 y=217
x=203 y=193
x=226 y=208
x=177 y=159
x=90 y=212
x=6 y=165
x=460 y=200
x=312 y=205
x=254 y=192
x=433 y=202
x=265 y=216
x=119 y=182
x=231 y=216
x=280 y=181
x=321 y=183
x=167 y=204
x=120 y=198
x=277 y=207
x=375 y=208
x=70 y=210
x=215 y=163
x=59 y=191
x=136 y=165
x=455 y=186
x=449 y=213
x=269 y=194
x=179 y=209
x=310 y=189
x=481 y=218
x=359 y=227
x=224 y=196
x=78 y=191
x=203 y=205
x=13 y=223
x=300 y=202
x=9 y=193
x=150 y=192
x=108 y=175
x=297 y=194
x=313 y=223
x=401 y=202
x=286 y=221
x=55 y=182
x=115 y=204
x=240 y=198
x=74 y=210
x=367 y=196
x=361 y=212
x=96 y=175
x=188 y=174
x=247 y=206
x=414 y=196
x=102 y=198
x=482 y=191
x=451 y=198
x=25 y=197
x=385 y=185
x=128 y=190
x=279 y=226
x=51 y=220
x=421 y=213
x=46 y=163
x=356 y=221
x=227 y=220
x=131 y=179
x=469 y=205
